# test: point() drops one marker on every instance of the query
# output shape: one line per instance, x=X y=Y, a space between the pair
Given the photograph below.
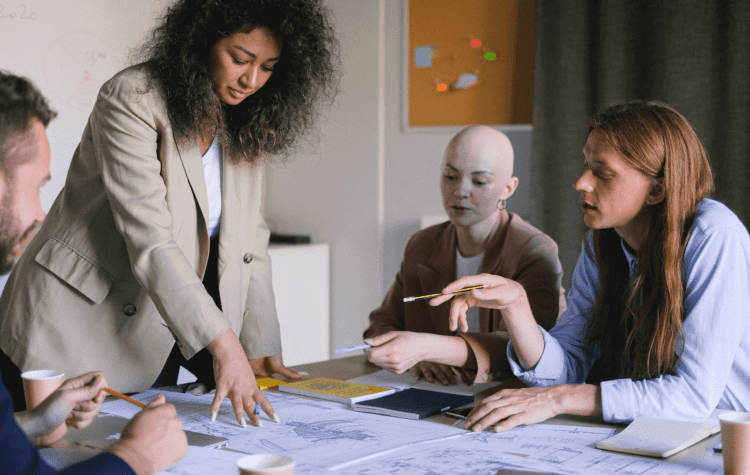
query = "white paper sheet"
x=389 y=379
x=313 y=432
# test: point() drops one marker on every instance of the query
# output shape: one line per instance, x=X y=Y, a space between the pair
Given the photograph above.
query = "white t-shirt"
x=212 y=173
x=469 y=266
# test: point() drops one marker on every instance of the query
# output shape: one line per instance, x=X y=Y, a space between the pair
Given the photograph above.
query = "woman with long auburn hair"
x=656 y=323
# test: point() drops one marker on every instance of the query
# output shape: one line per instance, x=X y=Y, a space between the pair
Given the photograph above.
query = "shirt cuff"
x=549 y=370
x=618 y=400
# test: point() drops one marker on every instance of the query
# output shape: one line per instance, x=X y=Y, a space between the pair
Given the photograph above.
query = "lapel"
x=439 y=271
x=232 y=200
x=190 y=155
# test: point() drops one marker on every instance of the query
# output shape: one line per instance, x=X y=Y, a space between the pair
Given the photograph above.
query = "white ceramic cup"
x=735 y=442
x=265 y=464
x=37 y=385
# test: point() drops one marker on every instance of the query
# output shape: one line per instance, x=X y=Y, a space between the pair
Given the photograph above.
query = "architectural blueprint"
x=542 y=447
x=319 y=433
x=325 y=437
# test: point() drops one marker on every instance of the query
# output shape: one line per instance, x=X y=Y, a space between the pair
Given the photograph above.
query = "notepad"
x=335 y=390
x=267 y=383
x=659 y=437
x=414 y=403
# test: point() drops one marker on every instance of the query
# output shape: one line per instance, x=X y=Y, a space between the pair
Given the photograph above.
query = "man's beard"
x=6 y=263
x=9 y=232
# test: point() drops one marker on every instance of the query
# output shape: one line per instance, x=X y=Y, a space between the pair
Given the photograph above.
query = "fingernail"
x=467 y=425
x=213 y=417
x=257 y=422
x=276 y=418
x=243 y=423
x=303 y=373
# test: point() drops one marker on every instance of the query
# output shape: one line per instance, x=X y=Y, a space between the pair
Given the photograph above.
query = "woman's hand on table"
x=235 y=380
x=430 y=372
x=513 y=407
x=498 y=293
x=267 y=366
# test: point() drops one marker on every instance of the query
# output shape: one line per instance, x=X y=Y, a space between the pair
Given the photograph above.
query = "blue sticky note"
x=423 y=56
x=466 y=81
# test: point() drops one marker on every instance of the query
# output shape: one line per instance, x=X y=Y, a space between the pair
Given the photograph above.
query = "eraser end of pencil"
x=409 y=299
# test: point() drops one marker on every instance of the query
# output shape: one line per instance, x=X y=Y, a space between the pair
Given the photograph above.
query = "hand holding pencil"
x=483 y=290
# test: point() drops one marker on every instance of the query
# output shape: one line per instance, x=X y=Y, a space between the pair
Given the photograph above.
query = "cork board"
x=469 y=62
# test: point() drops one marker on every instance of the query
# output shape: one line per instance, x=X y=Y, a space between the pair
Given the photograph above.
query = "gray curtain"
x=691 y=54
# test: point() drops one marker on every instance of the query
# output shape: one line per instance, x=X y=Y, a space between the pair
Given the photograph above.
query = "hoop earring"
x=501 y=204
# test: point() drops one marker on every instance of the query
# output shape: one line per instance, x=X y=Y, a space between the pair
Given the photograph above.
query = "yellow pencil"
x=465 y=289
x=125 y=398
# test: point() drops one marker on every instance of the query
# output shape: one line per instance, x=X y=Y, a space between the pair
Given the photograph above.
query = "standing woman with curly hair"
x=657 y=318
x=154 y=255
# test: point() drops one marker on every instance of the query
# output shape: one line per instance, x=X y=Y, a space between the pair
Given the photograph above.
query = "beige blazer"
x=113 y=278
x=517 y=251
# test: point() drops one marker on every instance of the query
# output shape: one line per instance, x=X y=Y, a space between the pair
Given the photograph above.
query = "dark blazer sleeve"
x=18 y=456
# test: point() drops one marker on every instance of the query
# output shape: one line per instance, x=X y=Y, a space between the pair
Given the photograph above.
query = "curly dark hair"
x=272 y=120
x=20 y=102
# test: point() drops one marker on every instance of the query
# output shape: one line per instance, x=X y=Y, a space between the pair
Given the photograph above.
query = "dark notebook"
x=413 y=403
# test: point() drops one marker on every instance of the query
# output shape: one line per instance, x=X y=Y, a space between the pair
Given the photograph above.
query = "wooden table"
x=700 y=455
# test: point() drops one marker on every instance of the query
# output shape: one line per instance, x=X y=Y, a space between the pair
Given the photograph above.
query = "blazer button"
x=129 y=310
x=248 y=258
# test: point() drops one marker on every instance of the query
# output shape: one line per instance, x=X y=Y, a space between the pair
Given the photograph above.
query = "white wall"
x=69 y=48
x=334 y=194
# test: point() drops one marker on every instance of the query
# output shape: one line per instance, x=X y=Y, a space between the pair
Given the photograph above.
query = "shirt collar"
x=629 y=256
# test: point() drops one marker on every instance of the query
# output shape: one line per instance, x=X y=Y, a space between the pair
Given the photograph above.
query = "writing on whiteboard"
x=94 y=55
x=76 y=66
x=18 y=13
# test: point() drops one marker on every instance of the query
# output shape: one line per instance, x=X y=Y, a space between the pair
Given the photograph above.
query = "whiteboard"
x=69 y=48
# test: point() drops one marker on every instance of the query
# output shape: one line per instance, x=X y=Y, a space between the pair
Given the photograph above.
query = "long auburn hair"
x=638 y=322
x=285 y=109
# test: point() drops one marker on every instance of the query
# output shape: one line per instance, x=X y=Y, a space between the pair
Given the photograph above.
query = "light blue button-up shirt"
x=714 y=370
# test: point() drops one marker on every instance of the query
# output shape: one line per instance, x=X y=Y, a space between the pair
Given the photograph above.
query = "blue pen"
x=348 y=349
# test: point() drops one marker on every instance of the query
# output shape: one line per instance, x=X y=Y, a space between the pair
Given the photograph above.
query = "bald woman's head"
x=477 y=175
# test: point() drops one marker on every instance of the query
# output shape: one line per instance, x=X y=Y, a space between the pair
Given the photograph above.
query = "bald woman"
x=476 y=179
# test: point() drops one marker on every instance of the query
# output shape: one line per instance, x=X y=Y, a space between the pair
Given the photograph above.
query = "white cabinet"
x=301 y=286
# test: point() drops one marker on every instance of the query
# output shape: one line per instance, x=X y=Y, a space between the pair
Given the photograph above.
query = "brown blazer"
x=113 y=278
x=517 y=251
